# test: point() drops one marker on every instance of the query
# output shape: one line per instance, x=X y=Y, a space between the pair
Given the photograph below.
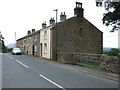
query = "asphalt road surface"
x=22 y=71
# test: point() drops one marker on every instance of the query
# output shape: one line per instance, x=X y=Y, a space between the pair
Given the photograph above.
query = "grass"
x=88 y=65
x=9 y=52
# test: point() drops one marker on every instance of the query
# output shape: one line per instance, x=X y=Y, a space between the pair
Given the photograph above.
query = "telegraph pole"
x=56 y=10
x=15 y=39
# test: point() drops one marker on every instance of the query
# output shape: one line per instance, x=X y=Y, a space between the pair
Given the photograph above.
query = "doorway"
x=41 y=49
x=33 y=50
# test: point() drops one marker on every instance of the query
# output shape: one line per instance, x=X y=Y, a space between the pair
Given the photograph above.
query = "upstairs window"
x=80 y=32
x=29 y=38
x=35 y=38
x=24 y=40
x=45 y=35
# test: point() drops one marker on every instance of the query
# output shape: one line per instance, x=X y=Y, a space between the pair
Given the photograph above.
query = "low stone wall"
x=110 y=63
x=107 y=63
x=87 y=58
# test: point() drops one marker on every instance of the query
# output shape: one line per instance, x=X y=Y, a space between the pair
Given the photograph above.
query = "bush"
x=9 y=49
x=114 y=52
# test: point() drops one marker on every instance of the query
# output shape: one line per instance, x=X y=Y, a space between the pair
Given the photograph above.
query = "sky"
x=22 y=15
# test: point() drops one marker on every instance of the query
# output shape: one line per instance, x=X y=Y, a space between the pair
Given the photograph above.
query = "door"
x=33 y=50
x=41 y=49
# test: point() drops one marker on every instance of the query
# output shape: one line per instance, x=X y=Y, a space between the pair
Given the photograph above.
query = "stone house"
x=75 y=35
x=29 y=44
x=61 y=40
x=38 y=43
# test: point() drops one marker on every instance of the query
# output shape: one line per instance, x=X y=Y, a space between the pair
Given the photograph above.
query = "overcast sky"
x=22 y=15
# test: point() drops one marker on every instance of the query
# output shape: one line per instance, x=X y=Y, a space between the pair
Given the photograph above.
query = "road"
x=22 y=71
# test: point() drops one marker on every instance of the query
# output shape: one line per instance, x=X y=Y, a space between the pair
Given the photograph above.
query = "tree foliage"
x=112 y=15
x=114 y=52
x=3 y=48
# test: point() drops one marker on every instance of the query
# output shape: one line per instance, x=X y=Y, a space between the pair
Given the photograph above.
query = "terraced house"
x=59 y=41
x=29 y=44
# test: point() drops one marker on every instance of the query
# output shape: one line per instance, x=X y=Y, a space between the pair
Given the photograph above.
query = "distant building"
x=60 y=41
x=29 y=44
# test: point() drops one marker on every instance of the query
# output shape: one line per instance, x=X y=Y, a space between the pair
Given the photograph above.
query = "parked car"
x=16 y=51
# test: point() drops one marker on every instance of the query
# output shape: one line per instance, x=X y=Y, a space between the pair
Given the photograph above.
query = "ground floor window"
x=45 y=47
x=35 y=48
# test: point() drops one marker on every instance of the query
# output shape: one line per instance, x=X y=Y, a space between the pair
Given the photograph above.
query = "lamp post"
x=56 y=10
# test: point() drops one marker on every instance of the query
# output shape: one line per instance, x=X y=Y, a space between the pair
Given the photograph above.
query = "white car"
x=16 y=51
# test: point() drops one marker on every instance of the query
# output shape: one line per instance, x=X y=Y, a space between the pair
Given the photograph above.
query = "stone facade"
x=76 y=35
x=30 y=43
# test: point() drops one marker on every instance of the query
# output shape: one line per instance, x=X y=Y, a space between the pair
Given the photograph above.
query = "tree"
x=112 y=15
x=3 y=48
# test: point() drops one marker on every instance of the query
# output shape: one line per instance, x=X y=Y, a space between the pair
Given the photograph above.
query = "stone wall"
x=76 y=35
x=65 y=57
x=28 y=42
x=110 y=63
x=107 y=63
x=87 y=58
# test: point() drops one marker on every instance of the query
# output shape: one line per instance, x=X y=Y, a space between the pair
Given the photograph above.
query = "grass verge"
x=88 y=65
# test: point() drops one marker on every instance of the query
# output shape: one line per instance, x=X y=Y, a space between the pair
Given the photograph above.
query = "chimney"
x=44 y=24
x=29 y=32
x=78 y=11
x=33 y=30
x=52 y=21
x=62 y=16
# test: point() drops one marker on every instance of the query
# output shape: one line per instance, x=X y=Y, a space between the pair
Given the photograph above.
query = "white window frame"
x=45 y=35
x=45 y=48
x=35 y=48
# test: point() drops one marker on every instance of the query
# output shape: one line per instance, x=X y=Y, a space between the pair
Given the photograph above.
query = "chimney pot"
x=52 y=21
x=29 y=32
x=33 y=30
x=44 y=24
x=62 y=16
x=78 y=11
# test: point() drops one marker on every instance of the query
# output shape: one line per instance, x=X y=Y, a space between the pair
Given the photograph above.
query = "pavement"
x=95 y=72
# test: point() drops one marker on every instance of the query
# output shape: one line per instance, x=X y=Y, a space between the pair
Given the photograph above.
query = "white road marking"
x=22 y=64
x=10 y=57
x=52 y=82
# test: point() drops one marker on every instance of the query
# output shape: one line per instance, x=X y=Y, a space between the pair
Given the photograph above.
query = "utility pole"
x=15 y=39
x=56 y=10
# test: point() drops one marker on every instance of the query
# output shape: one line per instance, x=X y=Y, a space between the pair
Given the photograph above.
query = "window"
x=45 y=34
x=29 y=38
x=24 y=40
x=24 y=47
x=36 y=38
x=29 y=47
x=45 y=48
x=80 y=32
x=35 y=48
